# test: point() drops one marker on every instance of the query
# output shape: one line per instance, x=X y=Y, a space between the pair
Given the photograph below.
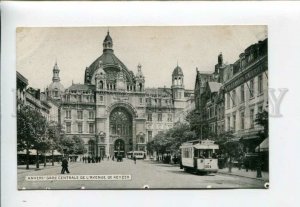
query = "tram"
x=137 y=154
x=199 y=156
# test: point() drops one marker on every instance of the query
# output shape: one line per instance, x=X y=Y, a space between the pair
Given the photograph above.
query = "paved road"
x=155 y=175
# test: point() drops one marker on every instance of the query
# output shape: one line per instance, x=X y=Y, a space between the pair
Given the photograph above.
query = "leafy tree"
x=54 y=134
x=31 y=131
x=78 y=145
x=66 y=145
x=194 y=120
x=170 y=140
x=72 y=145
x=262 y=119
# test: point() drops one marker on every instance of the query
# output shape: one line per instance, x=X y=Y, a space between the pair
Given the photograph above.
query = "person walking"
x=64 y=166
x=134 y=159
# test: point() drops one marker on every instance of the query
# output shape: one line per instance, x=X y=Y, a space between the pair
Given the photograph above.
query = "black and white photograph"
x=142 y=107
x=159 y=103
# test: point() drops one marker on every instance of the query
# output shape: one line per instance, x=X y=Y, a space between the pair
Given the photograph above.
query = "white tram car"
x=199 y=156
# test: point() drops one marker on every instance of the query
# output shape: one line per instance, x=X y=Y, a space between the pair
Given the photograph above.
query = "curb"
x=225 y=173
x=40 y=169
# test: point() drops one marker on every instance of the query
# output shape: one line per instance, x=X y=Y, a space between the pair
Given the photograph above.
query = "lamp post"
x=102 y=136
x=97 y=140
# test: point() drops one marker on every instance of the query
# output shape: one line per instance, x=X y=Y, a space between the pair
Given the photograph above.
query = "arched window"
x=120 y=122
x=140 y=87
x=101 y=84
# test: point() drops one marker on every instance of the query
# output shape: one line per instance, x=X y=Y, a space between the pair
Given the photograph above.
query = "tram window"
x=196 y=153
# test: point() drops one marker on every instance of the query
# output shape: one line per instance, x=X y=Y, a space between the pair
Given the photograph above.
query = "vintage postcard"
x=182 y=107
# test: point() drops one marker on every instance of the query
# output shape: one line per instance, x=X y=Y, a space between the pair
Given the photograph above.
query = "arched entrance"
x=120 y=125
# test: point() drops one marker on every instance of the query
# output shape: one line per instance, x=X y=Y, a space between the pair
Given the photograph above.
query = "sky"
x=157 y=49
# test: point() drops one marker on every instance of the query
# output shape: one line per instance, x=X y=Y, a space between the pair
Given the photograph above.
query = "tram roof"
x=200 y=144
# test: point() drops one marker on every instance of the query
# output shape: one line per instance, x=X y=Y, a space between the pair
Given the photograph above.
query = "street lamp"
x=97 y=139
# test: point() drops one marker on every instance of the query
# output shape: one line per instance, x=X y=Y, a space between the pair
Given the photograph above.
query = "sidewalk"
x=243 y=173
x=22 y=168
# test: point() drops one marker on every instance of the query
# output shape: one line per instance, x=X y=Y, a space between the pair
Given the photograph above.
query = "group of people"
x=93 y=159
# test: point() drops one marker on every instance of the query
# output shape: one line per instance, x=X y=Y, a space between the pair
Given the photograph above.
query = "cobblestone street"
x=155 y=175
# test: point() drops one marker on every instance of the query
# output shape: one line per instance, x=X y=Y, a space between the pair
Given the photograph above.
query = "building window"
x=260 y=84
x=228 y=100
x=79 y=98
x=91 y=128
x=68 y=127
x=79 y=114
x=242 y=120
x=242 y=93
x=56 y=93
x=228 y=123
x=90 y=99
x=148 y=100
x=101 y=98
x=149 y=117
x=149 y=135
x=68 y=114
x=159 y=117
x=234 y=122
x=141 y=101
x=91 y=115
x=252 y=118
x=260 y=109
x=80 y=128
x=251 y=88
x=170 y=117
x=233 y=98
x=159 y=102
x=68 y=98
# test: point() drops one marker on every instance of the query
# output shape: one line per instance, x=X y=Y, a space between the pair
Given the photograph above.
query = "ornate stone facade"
x=114 y=112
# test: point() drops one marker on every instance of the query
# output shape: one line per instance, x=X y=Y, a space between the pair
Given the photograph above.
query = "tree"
x=262 y=119
x=229 y=146
x=54 y=134
x=72 y=145
x=194 y=119
x=78 y=147
x=199 y=124
x=170 y=140
x=31 y=131
x=66 y=145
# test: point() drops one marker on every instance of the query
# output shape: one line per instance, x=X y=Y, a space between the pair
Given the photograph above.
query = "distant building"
x=36 y=99
x=22 y=84
x=229 y=98
x=113 y=111
x=246 y=89
x=209 y=99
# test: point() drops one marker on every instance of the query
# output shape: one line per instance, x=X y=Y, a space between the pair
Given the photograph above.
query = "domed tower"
x=55 y=89
x=107 y=43
x=178 y=84
x=140 y=79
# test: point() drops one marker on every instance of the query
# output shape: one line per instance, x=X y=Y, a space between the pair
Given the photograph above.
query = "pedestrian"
x=107 y=157
x=113 y=158
x=64 y=166
x=134 y=159
x=89 y=159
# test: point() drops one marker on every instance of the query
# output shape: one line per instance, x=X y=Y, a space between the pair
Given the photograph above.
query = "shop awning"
x=31 y=152
x=250 y=137
x=264 y=146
